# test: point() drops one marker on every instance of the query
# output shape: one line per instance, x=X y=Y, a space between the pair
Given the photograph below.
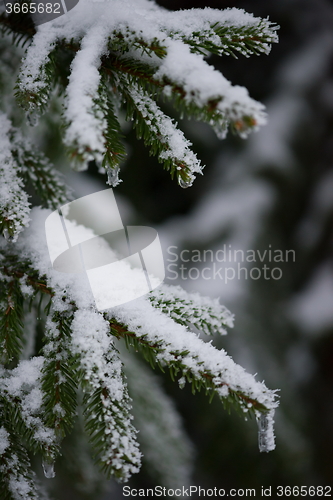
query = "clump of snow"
x=22 y=388
x=87 y=124
x=203 y=84
x=20 y=487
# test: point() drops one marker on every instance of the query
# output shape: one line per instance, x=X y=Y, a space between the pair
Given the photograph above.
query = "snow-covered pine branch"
x=161 y=134
x=201 y=364
x=206 y=314
x=37 y=172
x=14 y=205
x=24 y=429
x=23 y=165
x=79 y=351
x=21 y=395
x=101 y=59
x=161 y=52
x=106 y=396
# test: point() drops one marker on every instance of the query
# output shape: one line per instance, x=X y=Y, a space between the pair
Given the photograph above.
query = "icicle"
x=182 y=382
x=48 y=467
x=113 y=176
x=32 y=119
x=185 y=184
x=264 y=434
x=7 y=235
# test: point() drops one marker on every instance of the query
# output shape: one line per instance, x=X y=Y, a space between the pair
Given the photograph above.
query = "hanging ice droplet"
x=263 y=434
x=184 y=184
x=7 y=235
x=32 y=119
x=48 y=467
x=113 y=176
x=182 y=382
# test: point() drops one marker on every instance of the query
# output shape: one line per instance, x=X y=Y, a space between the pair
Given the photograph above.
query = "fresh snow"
x=14 y=204
x=93 y=24
x=141 y=318
x=22 y=387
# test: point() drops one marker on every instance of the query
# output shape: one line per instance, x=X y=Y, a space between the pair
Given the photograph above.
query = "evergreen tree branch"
x=110 y=152
x=59 y=378
x=205 y=369
x=67 y=361
x=201 y=364
x=11 y=325
x=156 y=63
x=244 y=40
x=16 y=475
x=23 y=163
x=161 y=134
x=24 y=274
x=19 y=25
x=241 y=121
x=84 y=117
x=21 y=402
x=206 y=314
x=114 y=148
x=124 y=41
x=108 y=422
x=222 y=33
x=14 y=205
x=186 y=355
x=37 y=75
x=36 y=170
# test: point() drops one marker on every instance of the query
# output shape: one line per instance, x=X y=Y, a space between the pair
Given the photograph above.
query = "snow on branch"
x=107 y=398
x=21 y=395
x=206 y=88
x=37 y=170
x=15 y=468
x=161 y=133
x=35 y=80
x=220 y=32
x=86 y=121
x=58 y=384
x=206 y=314
x=160 y=337
x=22 y=164
x=14 y=205
x=162 y=52
x=200 y=362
